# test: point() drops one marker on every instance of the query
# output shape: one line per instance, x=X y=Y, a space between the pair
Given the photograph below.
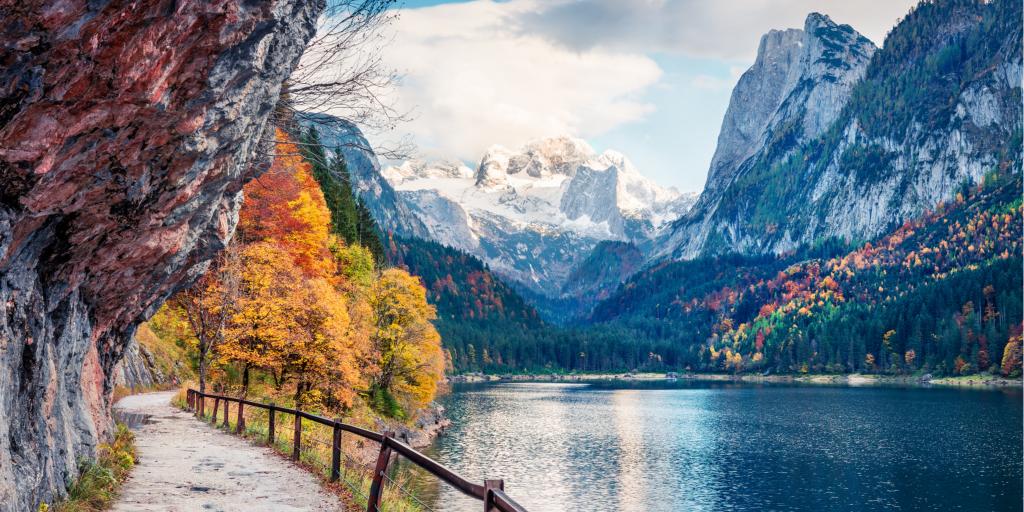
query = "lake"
x=632 y=446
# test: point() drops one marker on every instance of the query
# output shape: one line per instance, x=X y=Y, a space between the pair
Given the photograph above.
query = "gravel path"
x=186 y=465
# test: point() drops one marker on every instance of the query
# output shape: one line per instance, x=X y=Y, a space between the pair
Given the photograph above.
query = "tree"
x=320 y=352
x=409 y=360
x=1011 y=364
x=207 y=306
x=342 y=71
x=285 y=206
x=264 y=317
x=355 y=263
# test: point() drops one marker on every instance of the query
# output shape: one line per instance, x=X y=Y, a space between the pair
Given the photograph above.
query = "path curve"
x=187 y=465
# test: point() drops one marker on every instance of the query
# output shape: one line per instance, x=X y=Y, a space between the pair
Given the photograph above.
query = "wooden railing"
x=491 y=493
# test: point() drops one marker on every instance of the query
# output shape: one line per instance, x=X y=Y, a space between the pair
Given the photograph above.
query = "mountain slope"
x=938 y=105
x=941 y=293
x=459 y=285
x=341 y=137
x=610 y=263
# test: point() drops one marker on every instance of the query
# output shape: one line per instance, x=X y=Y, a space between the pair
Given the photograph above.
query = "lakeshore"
x=980 y=381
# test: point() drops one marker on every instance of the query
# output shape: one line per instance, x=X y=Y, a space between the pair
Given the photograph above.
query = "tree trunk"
x=202 y=371
x=299 y=390
x=245 y=381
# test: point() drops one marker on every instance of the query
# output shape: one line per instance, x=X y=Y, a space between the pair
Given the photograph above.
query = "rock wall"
x=127 y=130
x=137 y=369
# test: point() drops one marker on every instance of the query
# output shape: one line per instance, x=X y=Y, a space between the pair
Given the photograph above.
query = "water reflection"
x=629 y=426
x=690 y=446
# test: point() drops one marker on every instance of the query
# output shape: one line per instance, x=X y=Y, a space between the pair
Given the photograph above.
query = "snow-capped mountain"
x=533 y=214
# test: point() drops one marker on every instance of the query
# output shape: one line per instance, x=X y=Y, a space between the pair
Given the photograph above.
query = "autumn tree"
x=1011 y=363
x=320 y=353
x=261 y=325
x=207 y=307
x=285 y=206
x=407 y=348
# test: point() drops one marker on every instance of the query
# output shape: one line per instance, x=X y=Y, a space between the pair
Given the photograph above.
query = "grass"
x=99 y=480
x=170 y=358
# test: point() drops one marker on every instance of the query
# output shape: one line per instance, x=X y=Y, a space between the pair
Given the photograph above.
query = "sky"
x=648 y=78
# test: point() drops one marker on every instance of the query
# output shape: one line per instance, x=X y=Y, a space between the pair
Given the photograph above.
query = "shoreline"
x=851 y=380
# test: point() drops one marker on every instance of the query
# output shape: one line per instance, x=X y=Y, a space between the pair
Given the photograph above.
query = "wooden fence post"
x=272 y=428
x=216 y=405
x=383 y=458
x=297 y=437
x=227 y=413
x=336 y=451
x=240 y=425
x=202 y=406
x=489 y=496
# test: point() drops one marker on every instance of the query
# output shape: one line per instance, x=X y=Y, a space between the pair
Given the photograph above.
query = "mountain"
x=533 y=214
x=941 y=293
x=827 y=137
x=610 y=263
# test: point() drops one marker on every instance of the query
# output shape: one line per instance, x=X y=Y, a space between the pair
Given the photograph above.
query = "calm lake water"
x=706 y=446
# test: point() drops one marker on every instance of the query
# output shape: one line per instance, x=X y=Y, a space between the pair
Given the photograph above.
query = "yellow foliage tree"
x=321 y=354
x=407 y=349
x=264 y=316
x=1011 y=362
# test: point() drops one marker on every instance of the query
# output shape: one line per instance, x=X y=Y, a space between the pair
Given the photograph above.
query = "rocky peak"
x=805 y=74
x=532 y=213
x=861 y=139
x=492 y=169
x=538 y=159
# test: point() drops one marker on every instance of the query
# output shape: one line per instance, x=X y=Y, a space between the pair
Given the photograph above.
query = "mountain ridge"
x=535 y=213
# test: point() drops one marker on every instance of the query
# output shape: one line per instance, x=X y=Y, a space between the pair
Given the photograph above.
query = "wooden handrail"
x=491 y=492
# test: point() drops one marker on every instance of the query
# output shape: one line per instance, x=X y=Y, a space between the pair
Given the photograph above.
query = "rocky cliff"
x=841 y=156
x=800 y=81
x=126 y=132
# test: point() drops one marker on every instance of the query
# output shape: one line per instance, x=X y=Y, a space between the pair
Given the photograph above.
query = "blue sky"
x=649 y=78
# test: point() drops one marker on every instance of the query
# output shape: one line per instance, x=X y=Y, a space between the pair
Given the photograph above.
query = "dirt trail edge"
x=186 y=465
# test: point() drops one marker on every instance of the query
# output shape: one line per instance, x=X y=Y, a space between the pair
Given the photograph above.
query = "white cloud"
x=699 y=28
x=483 y=72
x=473 y=79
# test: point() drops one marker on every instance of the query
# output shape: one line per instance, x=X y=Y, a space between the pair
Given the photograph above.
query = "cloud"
x=698 y=28
x=482 y=72
x=711 y=83
x=473 y=78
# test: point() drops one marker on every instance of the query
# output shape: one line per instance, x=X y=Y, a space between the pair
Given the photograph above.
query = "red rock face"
x=127 y=130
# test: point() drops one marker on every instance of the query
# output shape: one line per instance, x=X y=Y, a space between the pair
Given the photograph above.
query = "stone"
x=127 y=130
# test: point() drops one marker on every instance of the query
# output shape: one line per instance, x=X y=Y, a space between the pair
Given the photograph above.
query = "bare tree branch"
x=342 y=77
